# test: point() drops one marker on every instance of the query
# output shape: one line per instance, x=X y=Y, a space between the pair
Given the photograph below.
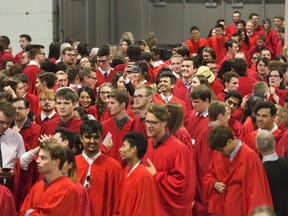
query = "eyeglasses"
x=152 y=123
x=41 y=53
x=20 y=108
x=104 y=92
x=47 y=100
x=70 y=54
x=84 y=62
x=95 y=78
x=139 y=96
x=275 y=76
x=102 y=61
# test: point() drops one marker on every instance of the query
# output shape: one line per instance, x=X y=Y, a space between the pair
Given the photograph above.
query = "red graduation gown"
x=195 y=124
x=101 y=78
x=175 y=176
x=246 y=184
x=7 y=206
x=104 y=184
x=117 y=136
x=138 y=193
x=49 y=127
x=193 y=46
x=180 y=91
x=33 y=102
x=61 y=197
x=31 y=72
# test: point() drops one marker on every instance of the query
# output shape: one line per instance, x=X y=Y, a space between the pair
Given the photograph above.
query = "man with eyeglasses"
x=47 y=105
x=37 y=57
x=142 y=98
x=22 y=124
x=11 y=144
x=88 y=77
x=96 y=171
x=233 y=100
x=169 y=161
x=104 y=72
x=69 y=56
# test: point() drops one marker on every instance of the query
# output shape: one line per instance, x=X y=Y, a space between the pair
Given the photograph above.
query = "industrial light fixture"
x=238 y=3
x=211 y=4
x=160 y=3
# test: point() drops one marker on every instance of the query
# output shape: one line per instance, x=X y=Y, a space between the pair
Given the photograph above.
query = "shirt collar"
x=120 y=123
x=204 y=114
x=236 y=150
x=133 y=168
x=49 y=116
x=166 y=136
x=275 y=127
x=270 y=157
x=176 y=75
x=32 y=62
x=103 y=72
x=90 y=161
x=163 y=97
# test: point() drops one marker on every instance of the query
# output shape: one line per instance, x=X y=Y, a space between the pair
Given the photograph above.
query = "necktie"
x=63 y=124
x=46 y=119
x=106 y=74
x=1 y=162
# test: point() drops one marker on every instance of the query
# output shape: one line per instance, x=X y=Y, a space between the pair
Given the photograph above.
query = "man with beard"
x=99 y=173
x=66 y=100
x=47 y=105
x=22 y=124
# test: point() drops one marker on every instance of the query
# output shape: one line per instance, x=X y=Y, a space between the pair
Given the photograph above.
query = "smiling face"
x=84 y=100
x=91 y=142
x=154 y=127
x=264 y=120
x=188 y=69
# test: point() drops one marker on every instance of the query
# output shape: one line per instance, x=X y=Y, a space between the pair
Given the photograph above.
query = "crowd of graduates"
x=133 y=129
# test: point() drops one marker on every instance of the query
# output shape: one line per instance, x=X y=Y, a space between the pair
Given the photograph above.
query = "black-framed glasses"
x=95 y=78
x=104 y=92
x=102 y=61
x=152 y=123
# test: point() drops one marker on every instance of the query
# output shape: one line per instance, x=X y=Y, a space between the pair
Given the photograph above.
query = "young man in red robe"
x=170 y=163
x=22 y=124
x=195 y=42
x=98 y=172
x=120 y=123
x=265 y=115
x=230 y=186
x=138 y=189
x=197 y=120
x=56 y=194
x=24 y=41
x=219 y=114
x=37 y=56
x=66 y=100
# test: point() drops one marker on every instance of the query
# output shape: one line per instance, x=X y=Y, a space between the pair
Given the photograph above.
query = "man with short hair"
x=45 y=80
x=266 y=53
x=219 y=114
x=120 y=123
x=230 y=185
x=230 y=82
x=182 y=86
x=96 y=171
x=176 y=64
x=5 y=52
x=68 y=56
x=11 y=143
x=217 y=41
x=137 y=183
x=232 y=48
x=24 y=41
x=45 y=198
x=251 y=33
x=21 y=124
x=232 y=29
x=265 y=115
x=47 y=105
x=197 y=119
x=142 y=98
x=37 y=56
x=195 y=41
x=104 y=72
x=66 y=100
x=276 y=169
x=88 y=77
x=166 y=84
x=73 y=76
x=61 y=79
x=170 y=163
x=254 y=18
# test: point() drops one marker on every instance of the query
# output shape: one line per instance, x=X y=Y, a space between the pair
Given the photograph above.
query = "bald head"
x=265 y=141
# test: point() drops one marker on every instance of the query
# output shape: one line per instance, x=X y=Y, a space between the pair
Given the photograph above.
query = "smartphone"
x=135 y=69
x=6 y=169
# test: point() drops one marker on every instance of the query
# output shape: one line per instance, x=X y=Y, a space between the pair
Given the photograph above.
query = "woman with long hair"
x=86 y=97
